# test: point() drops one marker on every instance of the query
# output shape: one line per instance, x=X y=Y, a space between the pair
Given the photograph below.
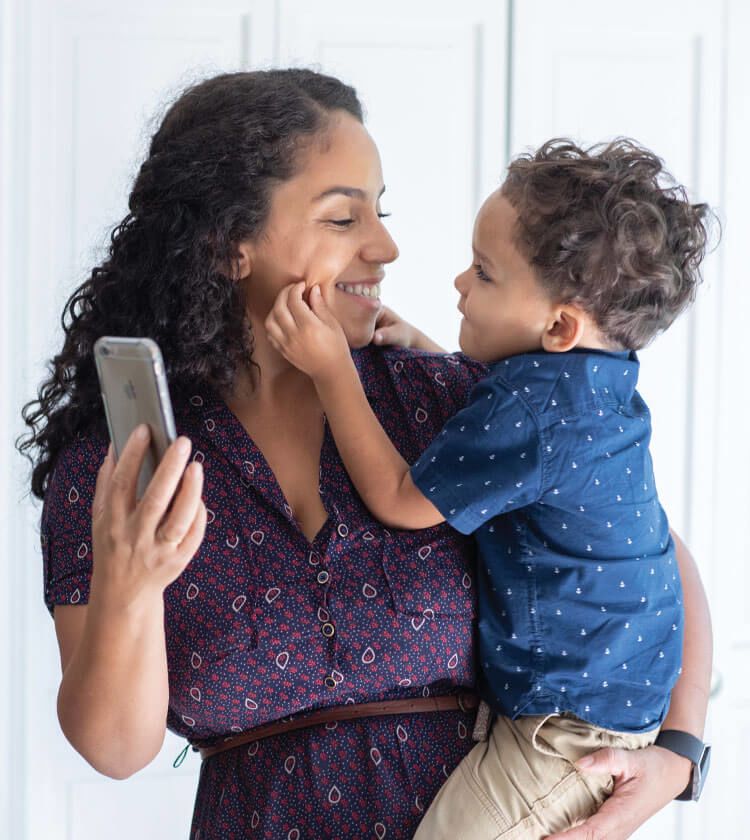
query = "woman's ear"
x=565 y=330
x=242 y=263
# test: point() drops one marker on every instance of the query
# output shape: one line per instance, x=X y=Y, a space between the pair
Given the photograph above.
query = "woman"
x=279 y=596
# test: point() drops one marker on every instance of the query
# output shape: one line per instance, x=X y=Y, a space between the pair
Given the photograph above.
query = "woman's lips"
x=367 y=293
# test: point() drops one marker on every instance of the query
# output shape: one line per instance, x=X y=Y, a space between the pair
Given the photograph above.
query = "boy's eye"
x=480 y=274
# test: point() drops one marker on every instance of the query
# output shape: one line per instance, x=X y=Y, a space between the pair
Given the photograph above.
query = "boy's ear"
x=565 y=329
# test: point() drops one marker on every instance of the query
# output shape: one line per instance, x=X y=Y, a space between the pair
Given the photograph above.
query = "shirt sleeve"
x=66 y=522
x=487 y=460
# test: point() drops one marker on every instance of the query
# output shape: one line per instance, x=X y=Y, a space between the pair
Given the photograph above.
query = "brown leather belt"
x=351 y=711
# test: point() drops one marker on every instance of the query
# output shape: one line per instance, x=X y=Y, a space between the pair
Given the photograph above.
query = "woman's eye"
x=383 y=215
x=341 y=222
x=480 y=274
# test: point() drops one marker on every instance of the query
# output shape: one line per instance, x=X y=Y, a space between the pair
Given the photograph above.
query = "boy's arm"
x=379 y=473
x=313 y=341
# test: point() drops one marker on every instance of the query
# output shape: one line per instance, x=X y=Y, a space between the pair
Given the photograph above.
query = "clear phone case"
x=134 y=390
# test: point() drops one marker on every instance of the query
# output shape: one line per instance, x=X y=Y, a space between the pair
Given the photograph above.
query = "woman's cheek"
x=326 y=265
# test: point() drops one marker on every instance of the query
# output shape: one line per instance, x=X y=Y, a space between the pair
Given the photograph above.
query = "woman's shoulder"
x=423 y=383
x=72 y=481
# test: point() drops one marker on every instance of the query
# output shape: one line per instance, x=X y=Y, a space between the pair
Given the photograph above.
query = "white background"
x=452 y=90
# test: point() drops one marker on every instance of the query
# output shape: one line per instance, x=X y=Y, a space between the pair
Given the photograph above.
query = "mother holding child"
x=312 y=633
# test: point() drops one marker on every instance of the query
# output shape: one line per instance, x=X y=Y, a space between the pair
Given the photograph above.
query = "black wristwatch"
x=692 y=748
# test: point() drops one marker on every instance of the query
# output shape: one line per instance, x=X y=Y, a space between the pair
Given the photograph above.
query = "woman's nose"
x=460 y=283
x=381 y=248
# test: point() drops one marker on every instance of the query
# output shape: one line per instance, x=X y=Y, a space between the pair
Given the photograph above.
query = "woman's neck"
x=274 y=383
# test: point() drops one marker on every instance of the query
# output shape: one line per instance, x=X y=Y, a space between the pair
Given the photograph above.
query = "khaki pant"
x=521 y=783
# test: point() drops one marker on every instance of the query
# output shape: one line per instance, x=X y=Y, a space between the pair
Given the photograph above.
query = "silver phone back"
x=134 y=390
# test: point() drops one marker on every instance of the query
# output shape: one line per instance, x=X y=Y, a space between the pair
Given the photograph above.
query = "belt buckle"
x=482 y=723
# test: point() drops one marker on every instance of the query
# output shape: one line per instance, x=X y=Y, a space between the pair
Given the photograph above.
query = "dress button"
x=328 y=629
x=330 y=682
x=323 y=577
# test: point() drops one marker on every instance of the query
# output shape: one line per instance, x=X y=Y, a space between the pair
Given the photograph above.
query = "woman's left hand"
x=645 y=781
x=308 y=336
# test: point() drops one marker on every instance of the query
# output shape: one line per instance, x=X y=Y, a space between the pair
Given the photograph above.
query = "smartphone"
x=134 y=391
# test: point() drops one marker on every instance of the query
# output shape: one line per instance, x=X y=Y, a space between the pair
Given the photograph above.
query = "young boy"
x=580 y=258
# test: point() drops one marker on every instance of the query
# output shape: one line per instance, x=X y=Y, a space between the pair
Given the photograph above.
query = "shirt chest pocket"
x=220 y=620
x=430 y=572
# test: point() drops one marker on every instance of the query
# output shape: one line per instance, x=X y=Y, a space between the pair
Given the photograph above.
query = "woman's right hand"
x=140 y=547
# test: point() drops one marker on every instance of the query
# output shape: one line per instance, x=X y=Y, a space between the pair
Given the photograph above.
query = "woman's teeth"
x=364 y=290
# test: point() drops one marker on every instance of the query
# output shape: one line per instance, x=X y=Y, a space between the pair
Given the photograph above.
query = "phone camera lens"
x=104 y=350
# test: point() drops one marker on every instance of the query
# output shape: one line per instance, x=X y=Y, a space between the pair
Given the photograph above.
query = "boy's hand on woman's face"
x=391 y=329
x=307 y=334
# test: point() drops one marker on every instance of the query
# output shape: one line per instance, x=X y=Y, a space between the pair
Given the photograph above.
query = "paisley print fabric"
x=264 y=624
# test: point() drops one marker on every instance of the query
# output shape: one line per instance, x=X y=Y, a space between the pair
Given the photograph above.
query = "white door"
x=94 y=79
x=432 y=76
x=728 y=814
x=655 y=72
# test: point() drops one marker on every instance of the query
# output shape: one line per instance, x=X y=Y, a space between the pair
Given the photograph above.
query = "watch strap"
x=690 y=747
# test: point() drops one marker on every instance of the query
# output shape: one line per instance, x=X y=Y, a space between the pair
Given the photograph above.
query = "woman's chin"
x=359 y=331
x=358 y=338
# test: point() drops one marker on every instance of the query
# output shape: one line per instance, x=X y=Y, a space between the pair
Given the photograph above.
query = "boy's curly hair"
x=608 y=229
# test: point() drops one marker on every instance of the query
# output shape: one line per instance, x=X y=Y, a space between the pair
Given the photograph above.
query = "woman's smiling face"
x=325 y=227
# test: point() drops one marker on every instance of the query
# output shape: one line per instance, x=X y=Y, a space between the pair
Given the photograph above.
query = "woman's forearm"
x=112 y=702
x=687 y=710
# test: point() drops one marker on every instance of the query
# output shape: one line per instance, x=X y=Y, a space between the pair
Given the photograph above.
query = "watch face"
x=700 y=771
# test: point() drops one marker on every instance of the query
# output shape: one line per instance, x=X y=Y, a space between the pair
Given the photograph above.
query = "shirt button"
x=328 y=629
x=330 y=682
x=323 y=577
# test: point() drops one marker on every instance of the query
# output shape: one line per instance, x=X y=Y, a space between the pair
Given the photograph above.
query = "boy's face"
x=505 y=309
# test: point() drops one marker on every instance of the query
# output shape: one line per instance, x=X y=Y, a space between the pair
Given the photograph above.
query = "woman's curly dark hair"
x=204 y=187
x=607 y=228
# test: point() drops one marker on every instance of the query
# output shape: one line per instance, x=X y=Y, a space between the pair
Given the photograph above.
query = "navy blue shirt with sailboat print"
x=580 y=603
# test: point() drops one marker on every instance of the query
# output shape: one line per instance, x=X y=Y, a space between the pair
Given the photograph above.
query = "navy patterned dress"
x=264 y=624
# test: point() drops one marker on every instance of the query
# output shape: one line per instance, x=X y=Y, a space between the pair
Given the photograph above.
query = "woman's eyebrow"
x=350 y=192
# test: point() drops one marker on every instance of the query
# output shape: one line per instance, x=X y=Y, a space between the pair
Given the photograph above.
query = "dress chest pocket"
x=430 y=572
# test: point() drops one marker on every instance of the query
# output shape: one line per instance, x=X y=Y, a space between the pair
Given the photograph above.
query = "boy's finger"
x=275 y=333
x=320 y=307
x=299 y=310
x=280 y=310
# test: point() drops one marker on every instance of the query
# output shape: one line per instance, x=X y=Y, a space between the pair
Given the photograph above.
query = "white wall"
x=82 y=85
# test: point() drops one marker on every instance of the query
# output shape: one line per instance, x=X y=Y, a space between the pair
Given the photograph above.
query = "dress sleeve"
x=66 y=522
x=487 y=460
